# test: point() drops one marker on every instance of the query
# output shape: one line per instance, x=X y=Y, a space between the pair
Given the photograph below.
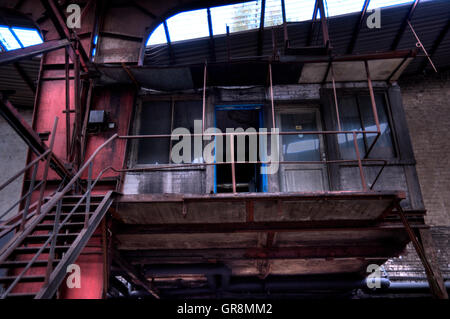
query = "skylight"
x=247 y=16
x=12 y=38
x=188 y=25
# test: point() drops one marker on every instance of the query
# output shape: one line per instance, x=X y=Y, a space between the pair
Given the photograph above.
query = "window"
x=162 y=117
x=356 y=115
x=12 y=38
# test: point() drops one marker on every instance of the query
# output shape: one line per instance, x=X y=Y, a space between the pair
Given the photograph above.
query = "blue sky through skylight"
x=246 y=16
x=16 y=37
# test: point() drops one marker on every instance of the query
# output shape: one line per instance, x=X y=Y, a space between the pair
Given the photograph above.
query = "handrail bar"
x=23 y=170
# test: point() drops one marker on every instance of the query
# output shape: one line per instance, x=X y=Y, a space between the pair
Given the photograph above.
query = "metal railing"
x=26 y=225
x=359 y=161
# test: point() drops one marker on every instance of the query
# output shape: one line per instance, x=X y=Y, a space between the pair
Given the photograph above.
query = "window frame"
x=357 y=93
x=134 y=149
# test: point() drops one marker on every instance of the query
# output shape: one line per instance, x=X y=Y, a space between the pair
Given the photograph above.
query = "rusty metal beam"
x=64 y=32
x=403 y=26
x=357 y=28
x=260 y=44
x=323 y=21
x=137 y=277
x=29 y=136
x=350 y=251
x=313 y=21
x=29 y=52
x=436 y=45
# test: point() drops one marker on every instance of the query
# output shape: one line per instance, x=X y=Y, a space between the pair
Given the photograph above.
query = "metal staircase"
x=52 y=241
x=39 y=242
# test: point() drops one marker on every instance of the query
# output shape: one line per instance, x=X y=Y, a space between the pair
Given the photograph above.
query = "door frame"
x=243 y=106
x=290 y=109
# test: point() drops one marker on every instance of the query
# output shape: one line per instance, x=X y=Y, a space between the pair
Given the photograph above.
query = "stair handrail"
x=46 y=208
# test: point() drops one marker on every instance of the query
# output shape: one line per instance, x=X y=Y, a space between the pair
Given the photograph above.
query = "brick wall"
x=426 y=100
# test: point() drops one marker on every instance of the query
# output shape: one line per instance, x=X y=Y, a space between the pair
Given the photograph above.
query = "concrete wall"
x=13 y=152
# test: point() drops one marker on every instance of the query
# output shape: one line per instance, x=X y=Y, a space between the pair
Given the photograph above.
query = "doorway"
x=308 y=177
x=248 y=177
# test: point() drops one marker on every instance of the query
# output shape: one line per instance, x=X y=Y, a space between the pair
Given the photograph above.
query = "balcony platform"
x=295 y=233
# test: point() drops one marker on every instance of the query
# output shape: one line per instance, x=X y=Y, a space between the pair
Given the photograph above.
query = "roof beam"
x=436 y=44
x=169 y=43
x=261 y=29
x=323 y=20
x=358 y=26
x=212 y=44
x=402 y=29
x=28 y=52
x=311 y=29
x=64 y=32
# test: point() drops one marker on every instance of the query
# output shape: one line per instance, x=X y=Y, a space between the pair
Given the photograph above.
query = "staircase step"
x=9 y=279
x=66 y=225
x=31 y=250
x=43 y=238
x=24 y=263
x=28 y=295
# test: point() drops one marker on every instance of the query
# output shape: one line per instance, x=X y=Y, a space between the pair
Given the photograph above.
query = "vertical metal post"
x=47 y=166
x=67 y=73
x=271 y=96
x=283 y=12
x=204 y=97
x=374 y=108
x=77 y=100
x=228 y=43
x=233 y=168
x=336 y=105
x=358 y=156
x=88 y=197
x=372 y=97
x=51 y=255
x=30 y=193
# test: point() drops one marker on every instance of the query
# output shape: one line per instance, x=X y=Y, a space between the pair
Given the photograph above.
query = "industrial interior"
x=315 y=148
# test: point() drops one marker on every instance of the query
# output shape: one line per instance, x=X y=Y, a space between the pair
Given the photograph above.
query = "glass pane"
x=383 y=147
x=158 y=36
x=185 y=113
x=300 y=147
x=28 y=37
x=386 y=3
x=273 y=15
x=350 y=121
x=339 y=7
x=239 y=17
x=188 y=25
x=299 y=10
x=7 y=39
x=154 y=150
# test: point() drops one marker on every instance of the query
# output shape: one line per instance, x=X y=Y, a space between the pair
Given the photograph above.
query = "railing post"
x=233 y=168
x=358 y=156
x=30 y=193
x=88 y=196
x=51 y=254
x=47 y=166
